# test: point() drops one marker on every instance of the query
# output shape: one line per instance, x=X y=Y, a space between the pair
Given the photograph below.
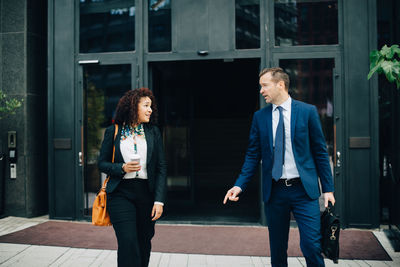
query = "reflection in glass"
x=103 y=86
x=159 y=25
x=311 y=81
x=106 y=26
x=247 y=24
x=306 y=22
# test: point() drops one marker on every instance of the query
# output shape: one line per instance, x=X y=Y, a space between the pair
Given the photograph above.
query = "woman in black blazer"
x=136 y=189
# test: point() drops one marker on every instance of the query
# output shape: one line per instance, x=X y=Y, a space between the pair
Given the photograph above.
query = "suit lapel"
x=150 y=141
x=293 y=118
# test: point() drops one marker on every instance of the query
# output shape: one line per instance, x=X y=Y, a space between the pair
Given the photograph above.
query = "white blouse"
x=127 y=147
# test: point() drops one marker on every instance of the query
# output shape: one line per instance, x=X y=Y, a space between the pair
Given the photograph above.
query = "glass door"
x=316 y=81
x=102 y=87
x=108 y=37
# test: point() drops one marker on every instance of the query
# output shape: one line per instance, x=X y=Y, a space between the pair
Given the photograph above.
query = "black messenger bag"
x=330 y=230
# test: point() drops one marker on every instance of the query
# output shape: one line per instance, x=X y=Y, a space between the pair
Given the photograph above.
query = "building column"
x=23 y=46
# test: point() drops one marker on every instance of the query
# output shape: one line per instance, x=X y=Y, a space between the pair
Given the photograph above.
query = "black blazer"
x=156 y=165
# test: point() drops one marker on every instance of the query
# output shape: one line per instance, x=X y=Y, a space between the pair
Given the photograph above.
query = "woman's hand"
x=156 y=212
x=132 y=166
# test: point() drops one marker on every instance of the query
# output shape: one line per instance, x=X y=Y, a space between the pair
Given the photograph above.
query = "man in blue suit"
x=287 y=137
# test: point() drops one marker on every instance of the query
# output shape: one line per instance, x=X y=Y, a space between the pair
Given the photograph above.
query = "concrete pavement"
x=32 y=255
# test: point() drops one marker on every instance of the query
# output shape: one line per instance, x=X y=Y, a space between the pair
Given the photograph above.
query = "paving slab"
x=32 y=255
x=36 y=256
x=8 y=251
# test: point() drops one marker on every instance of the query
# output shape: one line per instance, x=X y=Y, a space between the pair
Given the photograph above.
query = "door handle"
x=338 y=163
x=202 y=52
x=80 y=158
x=83 y=62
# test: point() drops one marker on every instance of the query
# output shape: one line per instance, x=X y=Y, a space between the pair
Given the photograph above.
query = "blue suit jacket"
x=309 y=149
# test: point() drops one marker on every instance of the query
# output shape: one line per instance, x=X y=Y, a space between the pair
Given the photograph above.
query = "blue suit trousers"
x=285 y=199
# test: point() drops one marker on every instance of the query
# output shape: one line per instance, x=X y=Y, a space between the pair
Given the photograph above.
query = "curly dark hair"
x=127 y=108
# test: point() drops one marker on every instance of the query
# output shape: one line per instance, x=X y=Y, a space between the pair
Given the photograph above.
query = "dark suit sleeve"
x=319 y=152
x=105 y=158
x=161 y=169
x=253 y=156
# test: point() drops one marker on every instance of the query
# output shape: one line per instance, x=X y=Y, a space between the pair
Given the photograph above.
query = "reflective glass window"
x=159 y=25
x=106 y=26
x=247 y=24
x=103 y=86
x=306 y=22
x=311 y=81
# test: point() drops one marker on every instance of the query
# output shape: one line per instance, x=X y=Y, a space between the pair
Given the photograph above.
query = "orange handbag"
x=100 y=216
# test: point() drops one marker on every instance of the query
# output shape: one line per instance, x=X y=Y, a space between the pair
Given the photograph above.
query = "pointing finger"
x=226 y=197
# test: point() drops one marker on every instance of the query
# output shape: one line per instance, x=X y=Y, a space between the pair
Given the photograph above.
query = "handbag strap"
x=115 y=135
x=113 y=156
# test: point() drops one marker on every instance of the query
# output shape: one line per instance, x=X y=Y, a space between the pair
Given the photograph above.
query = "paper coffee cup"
x=135 y=157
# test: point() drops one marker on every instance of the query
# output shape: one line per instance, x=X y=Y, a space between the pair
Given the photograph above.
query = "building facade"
x=201 y=59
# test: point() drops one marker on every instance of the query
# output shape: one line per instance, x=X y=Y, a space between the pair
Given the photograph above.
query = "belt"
x=288 y=182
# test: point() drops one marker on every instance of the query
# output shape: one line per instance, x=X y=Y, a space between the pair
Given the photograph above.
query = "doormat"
x=212 y=240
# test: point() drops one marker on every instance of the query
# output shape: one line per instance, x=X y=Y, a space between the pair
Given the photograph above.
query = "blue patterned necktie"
x=279 y=151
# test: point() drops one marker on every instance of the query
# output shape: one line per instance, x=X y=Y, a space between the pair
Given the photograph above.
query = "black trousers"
x=130 y=207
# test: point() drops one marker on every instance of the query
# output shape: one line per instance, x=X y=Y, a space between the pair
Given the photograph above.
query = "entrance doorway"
x=205 y=112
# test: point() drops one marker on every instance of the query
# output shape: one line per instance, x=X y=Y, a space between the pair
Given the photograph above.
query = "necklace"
x=129 y=131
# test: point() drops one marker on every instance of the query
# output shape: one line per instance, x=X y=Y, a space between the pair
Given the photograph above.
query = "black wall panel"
x=64 y=164
x=361 y=103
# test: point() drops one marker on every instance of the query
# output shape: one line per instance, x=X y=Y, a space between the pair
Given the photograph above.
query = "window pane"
x=102 y=88
x=107 y=26
x=311 y=81
x=247 y=24
x=306 y=22
x=159 y=25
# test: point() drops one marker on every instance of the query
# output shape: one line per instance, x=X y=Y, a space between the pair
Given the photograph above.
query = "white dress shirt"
x=289 y=167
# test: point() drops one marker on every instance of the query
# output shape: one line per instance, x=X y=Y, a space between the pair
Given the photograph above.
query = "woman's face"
x=144 y=109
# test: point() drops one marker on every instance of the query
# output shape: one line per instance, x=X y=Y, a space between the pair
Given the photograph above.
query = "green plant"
x=8 y=106
x=386 y=61
x=95 y=118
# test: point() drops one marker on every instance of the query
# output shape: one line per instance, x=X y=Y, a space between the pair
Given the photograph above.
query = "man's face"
x=270 y=90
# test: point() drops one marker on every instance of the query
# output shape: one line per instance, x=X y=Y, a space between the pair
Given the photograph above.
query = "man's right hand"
x=232 y=194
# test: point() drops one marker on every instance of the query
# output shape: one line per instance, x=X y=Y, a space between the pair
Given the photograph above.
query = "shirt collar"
x=285 y=105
